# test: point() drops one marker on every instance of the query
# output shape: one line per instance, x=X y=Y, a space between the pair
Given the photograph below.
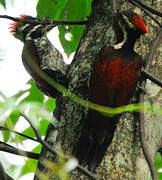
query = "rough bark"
x=124 y=158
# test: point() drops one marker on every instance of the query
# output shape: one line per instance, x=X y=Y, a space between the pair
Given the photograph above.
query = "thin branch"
x=86 y=172
x=2 y=172
x=37 y=21
x=146 y=12
x=48 y=147
x=156 y=42
x=10 y=149
x=154 y=79
x=20 y=134
x=113 y=4
x=149 y=8
x=3 y=175
x=144 y=146
x=149 y=59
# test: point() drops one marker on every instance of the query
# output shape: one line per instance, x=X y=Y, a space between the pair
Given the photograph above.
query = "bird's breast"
x=113 y=81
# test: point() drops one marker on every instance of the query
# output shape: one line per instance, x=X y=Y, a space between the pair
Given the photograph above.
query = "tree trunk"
x=124 y=158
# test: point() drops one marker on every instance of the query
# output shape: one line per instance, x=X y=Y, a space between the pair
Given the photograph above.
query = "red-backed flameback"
x=113 y=81
x=39 y=50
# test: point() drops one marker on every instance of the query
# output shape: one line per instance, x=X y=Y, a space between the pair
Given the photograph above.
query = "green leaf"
x=158 y=161
x=50 y=104
x=12 y=169
x=15 y=117
x=3 y=3
x=159 y=175
x=6 y=134
x=74 y=10
x=28 y=131
x=34 y=94
x=10 y=123
x=158 y=164
x=66 y=10
x=29 y=167
x=37 y=149
x=43 y=126
x=31 y=164
x=50 y=8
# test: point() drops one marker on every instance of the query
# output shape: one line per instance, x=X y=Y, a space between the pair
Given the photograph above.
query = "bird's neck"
x=126 y=39
x=129 y=43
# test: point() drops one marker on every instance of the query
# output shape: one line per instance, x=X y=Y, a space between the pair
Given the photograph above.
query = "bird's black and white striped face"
x=132 y=21
x=128 y=26
x=27 y=31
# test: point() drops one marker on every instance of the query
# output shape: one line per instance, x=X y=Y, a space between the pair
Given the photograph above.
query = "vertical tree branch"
x=149 y=157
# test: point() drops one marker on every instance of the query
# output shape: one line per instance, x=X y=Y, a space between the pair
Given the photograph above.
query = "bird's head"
x=132 y=21
x=26 y=30
x=128 y=26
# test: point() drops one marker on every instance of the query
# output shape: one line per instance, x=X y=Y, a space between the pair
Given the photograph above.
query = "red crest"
x=139 y=23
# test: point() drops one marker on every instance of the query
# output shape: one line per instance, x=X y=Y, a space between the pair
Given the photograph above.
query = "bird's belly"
x=113 y=82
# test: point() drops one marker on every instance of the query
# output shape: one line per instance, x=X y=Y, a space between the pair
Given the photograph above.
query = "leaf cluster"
x=66 y=10
x=37 y=107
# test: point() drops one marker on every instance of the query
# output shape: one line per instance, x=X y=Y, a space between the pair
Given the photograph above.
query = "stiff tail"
x=97 y=134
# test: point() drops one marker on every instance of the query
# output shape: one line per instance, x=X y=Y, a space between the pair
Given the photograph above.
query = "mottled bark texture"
x=124 y=158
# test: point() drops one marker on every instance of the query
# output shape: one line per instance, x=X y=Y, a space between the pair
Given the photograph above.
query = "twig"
x=154 y=79
x=86 y=172
x=149 y=8
x=36 y=21
x=156 y=42
x=146 y=153
x=10 y=149
x=146 y=12
x=3 y=175
x=2 y=172
x=48 y=147
x=20 y=134
x=113 y=5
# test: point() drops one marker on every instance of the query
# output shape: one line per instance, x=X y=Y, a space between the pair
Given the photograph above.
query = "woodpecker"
x=115 y=73
x=39 y=50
